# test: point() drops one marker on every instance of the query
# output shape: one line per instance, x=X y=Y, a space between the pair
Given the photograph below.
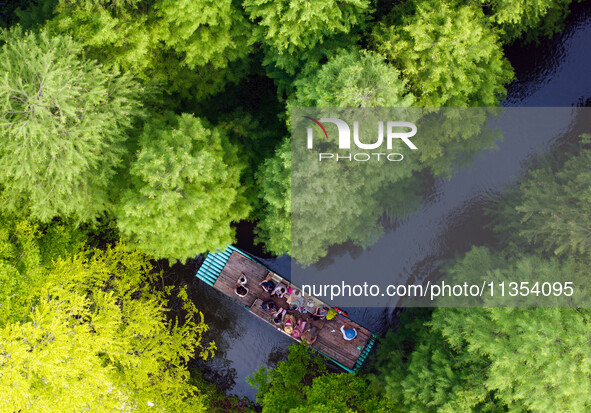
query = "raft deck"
x=222 y=271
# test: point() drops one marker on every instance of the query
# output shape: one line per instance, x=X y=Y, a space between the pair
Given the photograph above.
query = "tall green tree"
x=538 y=357
x=289 y=28
x=551 y=210
x=447 y=51
x=528 y=20
x=184 y=192
x=204 y=32
x=353 y=78
x=64 y=121
x=302 y=384
x=280 y=388
x=489 y=359
x=421 y=372
x=274 y=181
x=183 y=46
x=335 y=202
x=95 y=337
x=333 y=195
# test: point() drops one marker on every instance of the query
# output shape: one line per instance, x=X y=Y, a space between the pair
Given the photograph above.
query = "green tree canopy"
x=538 y=357
x=353 y=79
x=204 y=32
x=527 y=19
x=96 y=337
x=421 y=372
x=551 y=210
x=289 y=28
x=338 y=195
x=489 y=359
x=183 y=46
x=302 y=384
x=27 y=250
x=274 y=181
x=185 y=190
x=447 y=51
x=63 y=124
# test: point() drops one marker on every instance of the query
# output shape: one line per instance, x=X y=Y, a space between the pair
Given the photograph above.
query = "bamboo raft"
x=221 y=270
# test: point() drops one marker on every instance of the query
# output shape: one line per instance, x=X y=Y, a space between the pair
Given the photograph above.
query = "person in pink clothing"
x=298 y=329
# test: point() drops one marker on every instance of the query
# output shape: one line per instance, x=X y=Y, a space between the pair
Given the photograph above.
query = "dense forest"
x=142 y=130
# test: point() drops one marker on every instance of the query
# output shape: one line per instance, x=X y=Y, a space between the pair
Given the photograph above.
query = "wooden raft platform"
x=223 y=272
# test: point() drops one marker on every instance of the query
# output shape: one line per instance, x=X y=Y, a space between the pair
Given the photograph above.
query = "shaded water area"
x=449 y=222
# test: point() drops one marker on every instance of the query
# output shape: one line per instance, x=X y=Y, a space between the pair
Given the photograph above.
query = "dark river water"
x=555 y=73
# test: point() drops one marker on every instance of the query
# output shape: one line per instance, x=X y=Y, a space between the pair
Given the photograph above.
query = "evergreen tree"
x=274 y=180
x=421 y=372
x=289 y=28
x=64 y=122
x=538 y=357
x=353 y=79
x=183 y=46
x=551 y=210
x=95 y=337
x=489 y=359
x=302 y=384
x=204 y=32
x=527 y=19
x=336 y=195
x=185 y=190
x=447 y=51
x=27 y=250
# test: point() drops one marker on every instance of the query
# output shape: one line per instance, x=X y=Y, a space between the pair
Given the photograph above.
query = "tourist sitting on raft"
x=278 y=316
x=299 y=328
x=309 y=335
x=288 y=323
x=280 y=290
x=320 y=313
x=269 y=306
x=268 y=285
x=295 y=299
x=241 y=289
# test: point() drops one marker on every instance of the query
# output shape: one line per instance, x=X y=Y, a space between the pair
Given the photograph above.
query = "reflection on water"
x=554 y=73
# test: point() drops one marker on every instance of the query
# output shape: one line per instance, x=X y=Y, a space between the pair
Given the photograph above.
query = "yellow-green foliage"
x=95 y=337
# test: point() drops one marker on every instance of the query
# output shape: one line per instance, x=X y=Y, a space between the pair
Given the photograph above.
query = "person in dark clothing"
x=267 y=284
x=278 y=316
x=320 y=313
x=269 y=306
